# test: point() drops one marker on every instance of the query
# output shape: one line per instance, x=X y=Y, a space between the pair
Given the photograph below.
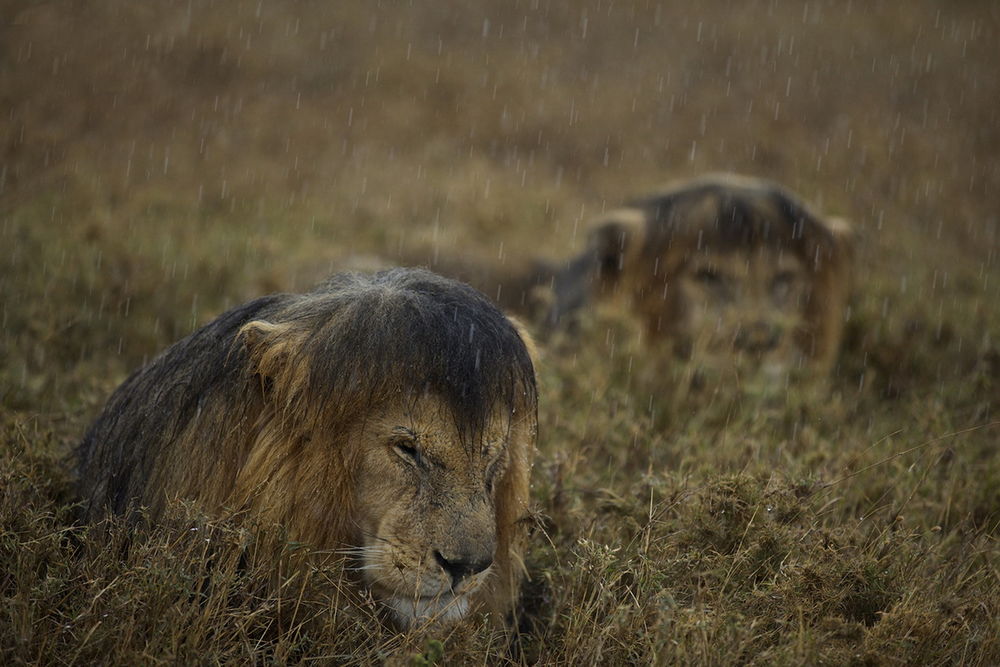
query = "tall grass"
x=163 y=162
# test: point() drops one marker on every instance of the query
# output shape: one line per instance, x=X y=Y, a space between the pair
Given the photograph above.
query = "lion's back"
x=119 y=455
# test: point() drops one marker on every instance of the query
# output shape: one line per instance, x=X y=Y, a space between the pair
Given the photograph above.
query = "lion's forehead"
x=433 y=427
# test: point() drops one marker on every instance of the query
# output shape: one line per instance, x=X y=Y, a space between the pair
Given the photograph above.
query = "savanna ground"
x=164 y=161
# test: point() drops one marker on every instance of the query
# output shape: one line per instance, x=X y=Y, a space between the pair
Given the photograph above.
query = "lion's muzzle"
x=464 y=566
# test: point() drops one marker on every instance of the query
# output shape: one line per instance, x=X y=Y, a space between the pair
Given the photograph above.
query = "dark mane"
x=736 y=215
x=355 y=341
x=409 y=331
x=156 y=403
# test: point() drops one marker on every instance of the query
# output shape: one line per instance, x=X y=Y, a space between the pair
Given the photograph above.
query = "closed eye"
x=407 y=451
x=404 y=444
x=494 y=470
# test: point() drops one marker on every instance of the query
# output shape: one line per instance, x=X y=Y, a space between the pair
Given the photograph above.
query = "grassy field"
x=161 y=162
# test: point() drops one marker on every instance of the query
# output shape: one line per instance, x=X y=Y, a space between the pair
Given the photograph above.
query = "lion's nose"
x=462 y=567
x=758 y=337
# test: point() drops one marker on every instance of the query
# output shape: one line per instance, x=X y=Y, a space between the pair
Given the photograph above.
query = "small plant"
x=433 y=654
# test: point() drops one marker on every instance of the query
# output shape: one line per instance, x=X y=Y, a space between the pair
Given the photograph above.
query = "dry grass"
x=161 y=162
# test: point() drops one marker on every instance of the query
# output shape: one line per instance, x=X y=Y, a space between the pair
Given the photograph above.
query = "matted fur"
x=643 y=249
x=261 y=410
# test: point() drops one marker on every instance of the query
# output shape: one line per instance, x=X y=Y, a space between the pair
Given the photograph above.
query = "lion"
x=392 y=416
x=722 y=271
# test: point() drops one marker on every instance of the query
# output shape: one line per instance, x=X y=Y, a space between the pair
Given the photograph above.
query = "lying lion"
x=722 y=269
x=393 y=415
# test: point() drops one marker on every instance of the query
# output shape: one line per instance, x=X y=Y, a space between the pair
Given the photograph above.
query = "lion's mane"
x=252 y=411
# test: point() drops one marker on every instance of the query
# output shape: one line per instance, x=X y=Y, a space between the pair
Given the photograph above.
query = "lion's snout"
x=758 y=337
x=468 y=545
x=464 y=565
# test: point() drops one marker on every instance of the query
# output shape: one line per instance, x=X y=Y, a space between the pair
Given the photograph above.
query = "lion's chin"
x=443 y=609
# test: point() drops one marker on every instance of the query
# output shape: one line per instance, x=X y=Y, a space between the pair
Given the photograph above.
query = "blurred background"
x=228 y=148
x=161 y=162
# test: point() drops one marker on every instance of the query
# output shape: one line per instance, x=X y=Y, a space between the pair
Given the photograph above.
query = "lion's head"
x=392 y=417
x=427 y=507
x=724 y=270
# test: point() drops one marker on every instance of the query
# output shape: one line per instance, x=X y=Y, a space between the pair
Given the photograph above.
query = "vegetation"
x=162 y=162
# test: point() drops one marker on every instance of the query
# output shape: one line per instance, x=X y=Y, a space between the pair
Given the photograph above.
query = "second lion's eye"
x=714 y=284
x=708 y=276
x=782 y=284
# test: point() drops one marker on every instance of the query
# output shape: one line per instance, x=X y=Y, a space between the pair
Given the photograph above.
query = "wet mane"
x=732 y=215
x=302 y=364
x=406 y=332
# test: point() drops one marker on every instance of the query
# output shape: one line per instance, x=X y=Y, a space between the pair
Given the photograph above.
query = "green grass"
x=161 y=164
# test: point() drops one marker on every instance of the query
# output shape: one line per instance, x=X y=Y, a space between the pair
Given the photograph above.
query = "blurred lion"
x=392 y=416
x=726 y=271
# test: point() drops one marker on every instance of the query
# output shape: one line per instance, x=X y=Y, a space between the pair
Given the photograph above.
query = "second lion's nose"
x=758 y=337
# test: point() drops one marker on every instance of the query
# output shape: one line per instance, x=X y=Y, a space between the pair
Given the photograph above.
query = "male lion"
x=726 y=270
x=392 y=415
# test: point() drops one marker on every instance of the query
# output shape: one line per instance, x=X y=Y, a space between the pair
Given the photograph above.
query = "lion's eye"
x=715 y=284
x=407 y=450
x=706 y=275
x=492 y=472
x=784 y=277
x=782 y=283
x=491 y=475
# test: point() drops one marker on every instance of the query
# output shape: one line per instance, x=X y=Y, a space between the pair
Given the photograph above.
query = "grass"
x=162 y=163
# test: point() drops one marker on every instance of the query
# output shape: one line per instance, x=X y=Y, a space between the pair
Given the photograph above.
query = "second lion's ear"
x=831 y=248
x=614 y=242
x=844 y=235
x=612 y=247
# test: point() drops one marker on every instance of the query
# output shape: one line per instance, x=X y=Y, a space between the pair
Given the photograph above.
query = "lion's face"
x=740 y=308
x=731 y=273
x=426 y=509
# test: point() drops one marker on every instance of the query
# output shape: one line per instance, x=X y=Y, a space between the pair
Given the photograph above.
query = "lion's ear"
x=527 y=339
x=843 y=233
x=615 y=239
x=269 y=346
x=611 y=247
x=836 y=250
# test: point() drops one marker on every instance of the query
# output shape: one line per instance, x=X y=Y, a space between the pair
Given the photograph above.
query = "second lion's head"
x=723 y=271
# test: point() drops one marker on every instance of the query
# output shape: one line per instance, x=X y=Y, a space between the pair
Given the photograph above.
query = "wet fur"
x=639 y=251
x=252 y=411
